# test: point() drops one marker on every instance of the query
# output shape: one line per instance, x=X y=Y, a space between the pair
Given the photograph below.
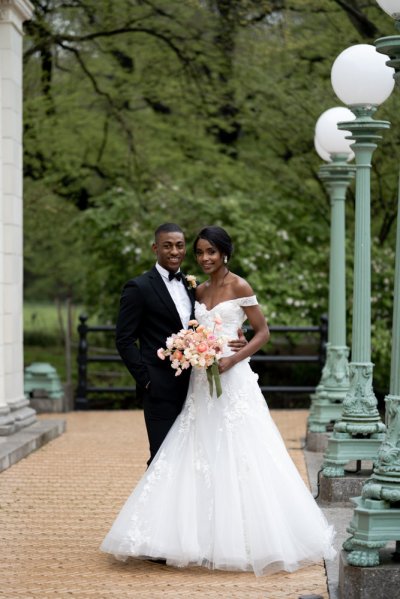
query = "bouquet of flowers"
x=199 y=347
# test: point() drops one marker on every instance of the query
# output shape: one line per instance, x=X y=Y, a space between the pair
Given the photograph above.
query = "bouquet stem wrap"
x=214 y=379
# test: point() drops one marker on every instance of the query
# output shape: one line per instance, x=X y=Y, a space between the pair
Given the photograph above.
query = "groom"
x=152 y=307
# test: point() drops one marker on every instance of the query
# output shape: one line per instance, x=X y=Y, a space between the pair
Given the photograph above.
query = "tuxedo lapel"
x=162 y=292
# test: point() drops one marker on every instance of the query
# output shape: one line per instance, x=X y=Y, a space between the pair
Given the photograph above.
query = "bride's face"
x=208 y=256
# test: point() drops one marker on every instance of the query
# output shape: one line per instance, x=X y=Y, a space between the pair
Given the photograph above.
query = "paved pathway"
x=57 y=504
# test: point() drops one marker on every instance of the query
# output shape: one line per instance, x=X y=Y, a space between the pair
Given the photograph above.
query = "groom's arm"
x=237 y=344
x=130 y=318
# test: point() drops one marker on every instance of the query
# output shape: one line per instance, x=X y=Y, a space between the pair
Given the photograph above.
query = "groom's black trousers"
x=160 y=414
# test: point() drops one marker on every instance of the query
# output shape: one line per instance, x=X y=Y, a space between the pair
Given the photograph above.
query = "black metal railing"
x=85 y=358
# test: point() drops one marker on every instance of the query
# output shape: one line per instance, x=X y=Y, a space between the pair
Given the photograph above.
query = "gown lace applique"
x=222 y=491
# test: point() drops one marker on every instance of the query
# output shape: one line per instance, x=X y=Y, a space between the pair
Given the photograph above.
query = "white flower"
x=283 y=234
x=191 y=281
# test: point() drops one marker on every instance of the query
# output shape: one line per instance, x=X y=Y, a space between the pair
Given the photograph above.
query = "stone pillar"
x=14 y=407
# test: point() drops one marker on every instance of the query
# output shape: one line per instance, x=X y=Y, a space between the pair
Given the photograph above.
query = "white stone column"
x=13 y=403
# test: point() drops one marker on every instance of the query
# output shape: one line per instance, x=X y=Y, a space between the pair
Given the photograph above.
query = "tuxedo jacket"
x=147 y=316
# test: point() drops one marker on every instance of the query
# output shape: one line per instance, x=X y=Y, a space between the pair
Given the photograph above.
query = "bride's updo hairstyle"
x=218 y=237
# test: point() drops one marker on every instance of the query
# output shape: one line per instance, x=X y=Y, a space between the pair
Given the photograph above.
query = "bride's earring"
x=225 y=259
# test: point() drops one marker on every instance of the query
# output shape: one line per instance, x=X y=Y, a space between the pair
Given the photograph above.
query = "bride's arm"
x=257 y=321
x=261 y=335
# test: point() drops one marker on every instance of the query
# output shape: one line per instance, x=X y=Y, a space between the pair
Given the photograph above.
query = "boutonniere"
x=191 y=281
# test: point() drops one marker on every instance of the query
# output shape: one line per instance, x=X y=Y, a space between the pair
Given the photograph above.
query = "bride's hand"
x=225 y=364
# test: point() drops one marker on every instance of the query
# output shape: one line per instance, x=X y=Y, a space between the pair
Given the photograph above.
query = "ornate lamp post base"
x=377 y=513
x=360 y=431
x=343 y=448
x=374 y=524
x=327 y=402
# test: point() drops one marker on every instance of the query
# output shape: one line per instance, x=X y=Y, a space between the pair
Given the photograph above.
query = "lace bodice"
x=230 y=311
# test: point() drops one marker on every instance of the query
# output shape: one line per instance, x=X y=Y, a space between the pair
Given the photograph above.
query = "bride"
x=222 y=491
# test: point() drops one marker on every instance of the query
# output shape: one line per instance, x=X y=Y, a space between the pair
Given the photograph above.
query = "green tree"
x=199 y=111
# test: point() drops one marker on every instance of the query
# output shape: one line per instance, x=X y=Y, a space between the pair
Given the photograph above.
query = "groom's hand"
x=237 y=344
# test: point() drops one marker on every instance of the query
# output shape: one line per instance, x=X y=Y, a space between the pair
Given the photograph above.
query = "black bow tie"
x=175 y=275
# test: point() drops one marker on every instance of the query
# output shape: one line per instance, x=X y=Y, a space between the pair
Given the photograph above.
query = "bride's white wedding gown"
x=222 y=491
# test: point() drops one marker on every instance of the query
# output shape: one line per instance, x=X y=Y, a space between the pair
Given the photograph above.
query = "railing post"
x=81 y=401
x=323 y=338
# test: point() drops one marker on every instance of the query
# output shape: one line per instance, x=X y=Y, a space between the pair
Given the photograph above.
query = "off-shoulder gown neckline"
x=234 y=299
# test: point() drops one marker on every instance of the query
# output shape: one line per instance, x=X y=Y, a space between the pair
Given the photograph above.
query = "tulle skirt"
x=222 y=491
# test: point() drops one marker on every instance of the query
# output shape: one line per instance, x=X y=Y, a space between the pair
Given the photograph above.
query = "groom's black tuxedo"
x=148 y=315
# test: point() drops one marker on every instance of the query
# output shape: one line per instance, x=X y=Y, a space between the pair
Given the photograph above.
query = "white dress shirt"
x=178 y=294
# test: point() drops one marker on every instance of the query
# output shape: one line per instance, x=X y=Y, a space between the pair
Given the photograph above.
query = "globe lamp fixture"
x=391 y=7
x=331 y=139
x=361 y=78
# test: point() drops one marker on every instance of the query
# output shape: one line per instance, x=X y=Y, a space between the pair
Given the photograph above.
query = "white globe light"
x=323 y=154
x=360 y=76
x=392 y=7
x=329 y=137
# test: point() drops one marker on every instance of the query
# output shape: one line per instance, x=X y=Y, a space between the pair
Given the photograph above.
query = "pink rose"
x=160 y=353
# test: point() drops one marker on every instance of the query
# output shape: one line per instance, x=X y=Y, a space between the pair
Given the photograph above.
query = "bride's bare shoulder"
x=241 y=287
x=200 y=289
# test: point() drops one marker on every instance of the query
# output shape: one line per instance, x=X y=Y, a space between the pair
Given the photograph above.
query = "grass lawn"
x=42 y=317
x=44 y=342
x=43 y=336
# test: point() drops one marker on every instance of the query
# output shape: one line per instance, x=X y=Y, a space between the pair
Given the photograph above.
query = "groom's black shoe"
x=156 y=561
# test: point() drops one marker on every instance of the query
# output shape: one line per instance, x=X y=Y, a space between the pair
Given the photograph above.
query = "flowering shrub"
x=199 y=347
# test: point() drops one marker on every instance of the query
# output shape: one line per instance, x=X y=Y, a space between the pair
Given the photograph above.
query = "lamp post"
x=376 y=518
x=333 y=147
x=360 y=79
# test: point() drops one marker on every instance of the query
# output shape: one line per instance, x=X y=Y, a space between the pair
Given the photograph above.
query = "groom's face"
x=170 y=250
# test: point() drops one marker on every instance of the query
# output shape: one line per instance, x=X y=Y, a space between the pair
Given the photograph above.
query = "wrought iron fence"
x=85 y=389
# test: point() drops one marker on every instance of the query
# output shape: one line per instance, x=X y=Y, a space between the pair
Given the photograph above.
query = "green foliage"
x=53 y=247
x=266 y=254
x=141 y=112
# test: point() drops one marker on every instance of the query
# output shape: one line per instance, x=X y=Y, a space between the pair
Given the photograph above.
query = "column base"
x=374 y=524
x=343 y=448
x=7 y=422
x=22 y=413
x=324 y=414
x=338 y=491
x=379 y=582
x=24 y=417
x=17 y=402
x=317 y=442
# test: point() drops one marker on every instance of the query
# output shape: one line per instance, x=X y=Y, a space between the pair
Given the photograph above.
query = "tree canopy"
x=139 y=112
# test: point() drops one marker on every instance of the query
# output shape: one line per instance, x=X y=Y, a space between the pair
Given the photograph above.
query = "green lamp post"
x=376 y=518
x=361 y=79
x=333 y=147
